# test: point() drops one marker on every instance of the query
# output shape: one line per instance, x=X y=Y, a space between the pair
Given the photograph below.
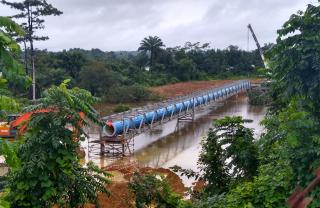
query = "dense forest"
x=103 y=72
x=110 y=74
x=236 y=169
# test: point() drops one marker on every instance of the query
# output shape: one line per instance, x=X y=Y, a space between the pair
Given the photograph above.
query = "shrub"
x=125 y=94
x=48 y=170
x=121 y=108
x=151 y=189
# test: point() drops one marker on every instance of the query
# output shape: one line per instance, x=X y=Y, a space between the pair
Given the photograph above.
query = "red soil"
x=183 y=88
x=121 y=197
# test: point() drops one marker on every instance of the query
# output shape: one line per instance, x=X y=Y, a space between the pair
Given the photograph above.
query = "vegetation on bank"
x=105 y=74
x=287 y=154
x=44 y=168
x=237 y=170
x=259 y=95
x=48 y=171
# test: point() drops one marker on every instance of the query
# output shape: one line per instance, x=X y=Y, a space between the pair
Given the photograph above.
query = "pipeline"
x=118 y=127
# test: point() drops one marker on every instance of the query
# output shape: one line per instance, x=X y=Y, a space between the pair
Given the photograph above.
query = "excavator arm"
x=10 y=129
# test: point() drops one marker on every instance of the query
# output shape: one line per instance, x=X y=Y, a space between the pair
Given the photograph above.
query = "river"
x=171 y=145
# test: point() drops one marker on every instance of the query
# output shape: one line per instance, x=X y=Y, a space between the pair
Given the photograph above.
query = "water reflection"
x=167 y=146
x=182 y=147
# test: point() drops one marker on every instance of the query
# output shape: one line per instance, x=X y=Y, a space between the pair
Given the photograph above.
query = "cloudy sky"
x=122 y=24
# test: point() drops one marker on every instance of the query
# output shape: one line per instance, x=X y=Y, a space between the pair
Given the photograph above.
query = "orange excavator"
x=16 y=123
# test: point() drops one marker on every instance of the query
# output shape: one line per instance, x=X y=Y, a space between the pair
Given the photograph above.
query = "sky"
x=113 y=25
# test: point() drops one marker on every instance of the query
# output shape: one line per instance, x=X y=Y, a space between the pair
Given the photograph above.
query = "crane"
x=258 y=45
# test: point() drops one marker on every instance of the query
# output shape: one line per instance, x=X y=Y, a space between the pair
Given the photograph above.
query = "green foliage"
x=100 y=72
x=152 y=44
x=259 y=95
x=31 y=12
x=121 y=108
x=212 y=163
x=229 y=139
x=97 y=78
x=295 y=71
x=289 y=150
x=295 y=59
x=270 y=188
x=134 y=93
x=228 y=156
x=50 y=172
x=8 y=104
x=11 y=70
x=71 y=61
x=154 y=190
x=9 y=151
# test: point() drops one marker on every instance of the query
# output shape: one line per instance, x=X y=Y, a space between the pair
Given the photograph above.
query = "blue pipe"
x=114 y=128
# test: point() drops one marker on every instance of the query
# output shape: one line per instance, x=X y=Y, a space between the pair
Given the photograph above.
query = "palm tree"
x=151 y=44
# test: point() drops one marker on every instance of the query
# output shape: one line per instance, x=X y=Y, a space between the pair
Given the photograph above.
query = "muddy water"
x=180 y=145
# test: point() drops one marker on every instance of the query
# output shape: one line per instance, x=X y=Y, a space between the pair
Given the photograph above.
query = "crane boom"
x=258 y=45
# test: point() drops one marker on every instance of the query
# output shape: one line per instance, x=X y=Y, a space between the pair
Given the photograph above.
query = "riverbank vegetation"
x=287 y=154
x=236 y=169
x=260 y=94
x=107 y=73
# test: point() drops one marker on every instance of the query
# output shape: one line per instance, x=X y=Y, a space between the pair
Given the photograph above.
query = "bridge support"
x=188 y=115
x=128 y=124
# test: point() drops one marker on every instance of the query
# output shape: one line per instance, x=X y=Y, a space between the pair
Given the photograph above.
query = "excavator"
x=8 y=129
x=16 y=123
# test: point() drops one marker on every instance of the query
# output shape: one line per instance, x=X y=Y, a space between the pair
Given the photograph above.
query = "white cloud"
x=122 y=24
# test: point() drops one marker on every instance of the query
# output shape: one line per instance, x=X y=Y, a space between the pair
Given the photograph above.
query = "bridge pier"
x=118 y=139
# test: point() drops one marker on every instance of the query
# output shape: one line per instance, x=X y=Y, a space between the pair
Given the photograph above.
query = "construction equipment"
x=258 y=46
x=8 y=129
x=15 y=124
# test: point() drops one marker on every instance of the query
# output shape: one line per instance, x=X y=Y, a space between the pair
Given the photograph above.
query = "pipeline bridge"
x=117 y=135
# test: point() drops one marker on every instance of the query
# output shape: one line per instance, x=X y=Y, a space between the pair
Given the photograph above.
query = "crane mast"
x=258 y=45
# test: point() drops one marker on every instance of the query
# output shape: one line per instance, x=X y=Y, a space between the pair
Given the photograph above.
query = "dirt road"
x=183 y=88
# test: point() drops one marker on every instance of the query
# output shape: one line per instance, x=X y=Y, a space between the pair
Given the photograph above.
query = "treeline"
x=105 y=72
x=281 y=167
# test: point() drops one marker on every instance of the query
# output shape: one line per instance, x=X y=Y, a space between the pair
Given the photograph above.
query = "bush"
x=121 y=108
x=47 y=170
x=259 y=95
x=125 y=94
x=151 y=189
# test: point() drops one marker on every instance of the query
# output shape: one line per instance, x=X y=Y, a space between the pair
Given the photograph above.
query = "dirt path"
x=170 y=91
x=121 y=197
x=183 y=88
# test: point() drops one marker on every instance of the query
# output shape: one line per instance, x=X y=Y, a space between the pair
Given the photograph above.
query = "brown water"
x=171 y=145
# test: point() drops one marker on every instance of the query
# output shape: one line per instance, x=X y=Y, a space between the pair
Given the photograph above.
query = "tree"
x=228 y=140
x=10 y=69
x=154 y=191
x=72 y=62
x=295 y=60
x=153 y=45
x=228 y=156
x=97 y=78
x=50 y=172
x=32 y=11
x=289 y=149
x=185 y=69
